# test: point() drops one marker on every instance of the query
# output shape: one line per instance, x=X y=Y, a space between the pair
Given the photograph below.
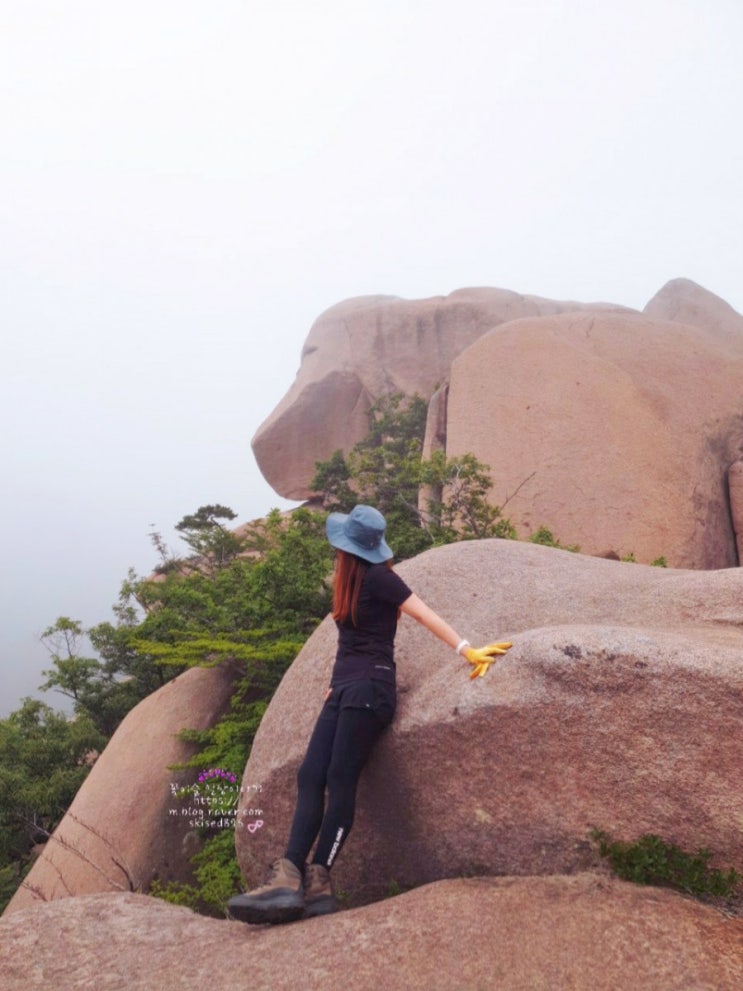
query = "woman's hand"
x=482 y=657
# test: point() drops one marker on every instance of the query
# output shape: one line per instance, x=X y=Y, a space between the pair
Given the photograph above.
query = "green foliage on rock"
x=654 y=861
x=546 y=538
x=255 y=613
x=250 y=603
x=44 y=758
x=208 y=538
x=104 y=688
x=456 y=503
x=217 y=877
x=659 y=562
x=426 y=502
x=382 y=470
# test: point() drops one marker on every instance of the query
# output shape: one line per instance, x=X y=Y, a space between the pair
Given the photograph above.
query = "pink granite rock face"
x=120 y=833
x=614 y=432
x=619 y=707
x=586 y=933
x=683 y=301
x=613 y=429
x=368 y=347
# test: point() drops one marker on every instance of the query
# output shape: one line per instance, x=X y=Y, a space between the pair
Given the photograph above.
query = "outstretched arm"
x=417 y=608
x=480 y=658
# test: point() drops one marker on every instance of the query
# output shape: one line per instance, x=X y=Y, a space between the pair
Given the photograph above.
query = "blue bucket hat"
x=360 y=532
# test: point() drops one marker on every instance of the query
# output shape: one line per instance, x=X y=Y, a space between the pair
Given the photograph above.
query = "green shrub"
x=652 y=860
x=659 y=562
x=217 y=875
x=546 y=538
x=176 y=893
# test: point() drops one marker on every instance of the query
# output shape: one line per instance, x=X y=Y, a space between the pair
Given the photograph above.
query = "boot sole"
x=321 y=906
x=288 y=908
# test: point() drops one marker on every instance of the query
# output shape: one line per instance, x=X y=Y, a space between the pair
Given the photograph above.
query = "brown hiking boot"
x=318 y=892
x=280 y=899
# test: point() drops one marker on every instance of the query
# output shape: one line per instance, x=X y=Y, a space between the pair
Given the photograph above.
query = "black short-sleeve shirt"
x=366 y=649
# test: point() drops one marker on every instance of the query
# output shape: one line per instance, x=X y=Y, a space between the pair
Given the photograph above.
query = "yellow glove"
x=482 y=657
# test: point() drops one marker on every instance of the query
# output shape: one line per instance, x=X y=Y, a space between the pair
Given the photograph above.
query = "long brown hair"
x=349 y=573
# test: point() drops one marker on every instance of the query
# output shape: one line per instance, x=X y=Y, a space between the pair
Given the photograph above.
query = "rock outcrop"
x=683 y=301
x=372 y=346
x=125 y=826
x=614 y=429
x=585 y=933
x=618 y=707
x=615 y=432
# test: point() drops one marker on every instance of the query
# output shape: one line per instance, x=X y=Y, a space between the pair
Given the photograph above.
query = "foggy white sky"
x=184 y=187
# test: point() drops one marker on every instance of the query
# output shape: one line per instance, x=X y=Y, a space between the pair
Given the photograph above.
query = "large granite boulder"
x=368 y=347
x=619 y=707
x=126 y=825
x=613 y=429
x=683 y=301
x=586 y=933
x=615 y=432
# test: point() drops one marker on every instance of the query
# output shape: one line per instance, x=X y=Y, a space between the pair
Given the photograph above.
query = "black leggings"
x=344 y=735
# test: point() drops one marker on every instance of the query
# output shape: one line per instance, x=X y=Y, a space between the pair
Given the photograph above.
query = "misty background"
x=185 y=187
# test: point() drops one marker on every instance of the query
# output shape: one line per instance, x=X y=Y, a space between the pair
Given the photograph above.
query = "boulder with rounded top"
x=127 y=824
x=619 y=707
x=586 y=933
x=369 y=347
x=611 y=428
x=614 y=432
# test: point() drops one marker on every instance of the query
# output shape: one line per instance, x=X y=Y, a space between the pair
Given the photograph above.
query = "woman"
x=367 y=599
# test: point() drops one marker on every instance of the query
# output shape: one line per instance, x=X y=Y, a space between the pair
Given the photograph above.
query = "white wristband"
x=461 y=645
